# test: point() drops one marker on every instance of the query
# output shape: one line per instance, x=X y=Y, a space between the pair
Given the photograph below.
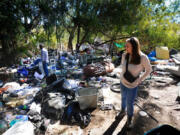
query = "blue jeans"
x=128 y=96
x=45 y=67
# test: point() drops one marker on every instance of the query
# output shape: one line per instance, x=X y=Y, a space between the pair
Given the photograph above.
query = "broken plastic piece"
x=106 y=107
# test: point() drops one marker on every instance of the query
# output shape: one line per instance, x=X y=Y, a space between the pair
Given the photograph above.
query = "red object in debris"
x=4 y=89
x=23 y=80
x=155 y=73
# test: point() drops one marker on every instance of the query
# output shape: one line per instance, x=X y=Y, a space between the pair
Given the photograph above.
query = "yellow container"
x=162 y=52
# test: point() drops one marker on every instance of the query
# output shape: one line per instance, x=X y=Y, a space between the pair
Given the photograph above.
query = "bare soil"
x=159 y=102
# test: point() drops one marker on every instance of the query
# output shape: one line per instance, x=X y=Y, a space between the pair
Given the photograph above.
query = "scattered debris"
x=76 y=86
x=105 y=107
x=143 y=114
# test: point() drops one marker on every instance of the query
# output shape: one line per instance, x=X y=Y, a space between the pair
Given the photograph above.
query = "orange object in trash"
x=4 y=89
x=23 y=80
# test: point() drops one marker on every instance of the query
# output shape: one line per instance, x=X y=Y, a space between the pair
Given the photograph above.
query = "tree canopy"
x=25 y=23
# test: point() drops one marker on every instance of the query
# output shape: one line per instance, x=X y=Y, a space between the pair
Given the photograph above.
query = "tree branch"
x=112 y=40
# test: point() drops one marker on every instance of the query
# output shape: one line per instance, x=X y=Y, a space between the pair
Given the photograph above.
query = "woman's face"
x=128 y=47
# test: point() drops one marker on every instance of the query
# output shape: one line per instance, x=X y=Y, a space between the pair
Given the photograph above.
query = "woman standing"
x=133 y=63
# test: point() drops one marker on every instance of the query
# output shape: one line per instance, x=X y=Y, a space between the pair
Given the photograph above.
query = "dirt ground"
x=159 y=102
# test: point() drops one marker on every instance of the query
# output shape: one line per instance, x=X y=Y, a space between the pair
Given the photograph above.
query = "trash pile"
x=68 y=94
x=166 y=60
x=29 y=102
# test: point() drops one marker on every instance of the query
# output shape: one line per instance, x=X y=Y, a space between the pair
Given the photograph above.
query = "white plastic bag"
x=35 y=107
x=21 y=128
x=13 y=86
x=38 y=76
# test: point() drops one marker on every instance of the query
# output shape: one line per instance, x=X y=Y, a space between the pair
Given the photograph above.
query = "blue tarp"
x=152 y=56
x=37 y=61
x=23 y=71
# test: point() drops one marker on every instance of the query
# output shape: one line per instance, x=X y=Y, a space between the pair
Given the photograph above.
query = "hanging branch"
x=112 y=40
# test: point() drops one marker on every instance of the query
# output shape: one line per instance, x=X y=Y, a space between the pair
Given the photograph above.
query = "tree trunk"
x=8 y=53
x=48 y=37
x=78 y=25
x=111 y=49
x=84 y=37
x=71 y=37
x=56 y=36
x=78 y=34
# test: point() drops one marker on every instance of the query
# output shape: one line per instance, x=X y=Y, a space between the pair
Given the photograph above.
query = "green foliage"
x=26 y=23
x=157 y=28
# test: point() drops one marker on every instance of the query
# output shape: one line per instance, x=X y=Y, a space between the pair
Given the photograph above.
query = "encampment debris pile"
x=75 y=87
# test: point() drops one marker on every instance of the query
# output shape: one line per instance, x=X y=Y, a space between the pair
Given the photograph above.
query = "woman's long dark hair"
x=136 y=58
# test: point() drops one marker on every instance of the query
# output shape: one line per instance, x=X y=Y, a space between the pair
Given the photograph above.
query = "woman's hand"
x=137 y=82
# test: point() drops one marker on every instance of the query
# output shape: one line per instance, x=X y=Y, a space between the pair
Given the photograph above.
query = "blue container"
x=152 y=59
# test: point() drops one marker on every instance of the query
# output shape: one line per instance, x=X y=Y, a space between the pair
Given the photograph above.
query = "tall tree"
x=93 y=17
x=159 y=26
x=16 y=17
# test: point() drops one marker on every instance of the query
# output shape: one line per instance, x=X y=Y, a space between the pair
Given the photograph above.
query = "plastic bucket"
x=87 y=97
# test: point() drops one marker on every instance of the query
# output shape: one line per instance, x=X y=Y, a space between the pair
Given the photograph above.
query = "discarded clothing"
x=53 y=105
x=73 y=115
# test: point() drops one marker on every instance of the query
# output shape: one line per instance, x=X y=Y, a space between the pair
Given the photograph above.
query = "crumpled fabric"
x=53 y=105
